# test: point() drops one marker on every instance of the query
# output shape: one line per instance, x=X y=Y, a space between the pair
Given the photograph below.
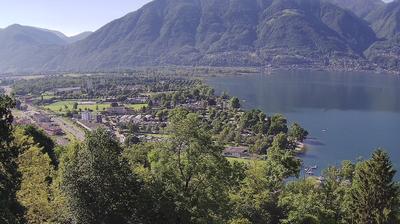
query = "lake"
x=348 y=114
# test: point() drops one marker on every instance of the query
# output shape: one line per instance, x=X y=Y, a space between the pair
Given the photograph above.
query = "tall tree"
x=35 y=192
x=374 y=195
x=99 y=184
x=10 y=210
x=278 y=125
x=257 y=199
x=45 y=142
x=193 y=171
x=297 y=132
x=234 y=103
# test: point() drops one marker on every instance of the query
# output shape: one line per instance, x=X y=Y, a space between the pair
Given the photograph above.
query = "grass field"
x=136 y=106
x=68 y=105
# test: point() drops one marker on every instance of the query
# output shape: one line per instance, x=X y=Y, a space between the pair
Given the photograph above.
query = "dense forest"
x=183 y=180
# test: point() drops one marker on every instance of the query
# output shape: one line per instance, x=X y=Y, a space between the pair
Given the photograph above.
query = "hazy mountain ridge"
x=386 y=23
x=360 y=7
x=224 y=32
x=69 y=39
x=309 y=33
x=28 y=47
x=25 y=48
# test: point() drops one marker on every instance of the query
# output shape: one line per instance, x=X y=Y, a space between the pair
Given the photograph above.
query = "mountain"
x=385 y=20
x=221 y=33
x=71 y=39
x=360 y=7
x=79 y=37
x=386 y=23
x=27 y=48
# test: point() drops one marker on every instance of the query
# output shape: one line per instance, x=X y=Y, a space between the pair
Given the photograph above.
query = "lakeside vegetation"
x=183 y=180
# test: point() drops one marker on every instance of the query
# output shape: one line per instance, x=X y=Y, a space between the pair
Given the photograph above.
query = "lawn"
x=136 y=106
x=68 y=105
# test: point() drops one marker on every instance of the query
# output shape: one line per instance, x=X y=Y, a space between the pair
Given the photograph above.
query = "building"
x=236 y=152
x=139 y=99
x=99 y=118
x=119 y=111
x=87 y=116
x=74 y=90
x=41 y=118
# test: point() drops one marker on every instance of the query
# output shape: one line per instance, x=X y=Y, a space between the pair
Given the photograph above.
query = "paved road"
x=67 y=126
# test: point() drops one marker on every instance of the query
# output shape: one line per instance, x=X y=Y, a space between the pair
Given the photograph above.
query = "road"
x=67 y=126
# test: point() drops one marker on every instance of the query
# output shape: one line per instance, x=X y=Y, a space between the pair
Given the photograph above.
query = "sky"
x=68 y=16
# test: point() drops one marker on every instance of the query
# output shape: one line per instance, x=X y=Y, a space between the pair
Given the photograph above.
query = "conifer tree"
x=374 y=195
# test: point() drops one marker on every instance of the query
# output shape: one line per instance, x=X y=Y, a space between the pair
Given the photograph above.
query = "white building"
x=87 y=116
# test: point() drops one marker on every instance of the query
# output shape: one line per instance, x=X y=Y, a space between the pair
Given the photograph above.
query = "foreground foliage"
x=183 y=180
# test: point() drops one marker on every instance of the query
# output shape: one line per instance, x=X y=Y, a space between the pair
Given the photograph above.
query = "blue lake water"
x=348 y=115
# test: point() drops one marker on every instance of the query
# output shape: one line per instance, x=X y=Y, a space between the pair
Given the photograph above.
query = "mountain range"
x=334 y=34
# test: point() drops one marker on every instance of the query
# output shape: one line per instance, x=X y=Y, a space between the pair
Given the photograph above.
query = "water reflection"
x=288 y=91
x=348 y=115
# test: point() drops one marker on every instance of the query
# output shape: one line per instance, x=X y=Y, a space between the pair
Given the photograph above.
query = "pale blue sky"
x=68 y=16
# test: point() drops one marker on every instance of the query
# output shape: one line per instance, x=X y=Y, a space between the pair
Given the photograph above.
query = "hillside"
x=386 y=23
x=27 y=48
x=71 y=39
x=221 y=33
x=360 y=7
x=79 y=37
x=386 y=20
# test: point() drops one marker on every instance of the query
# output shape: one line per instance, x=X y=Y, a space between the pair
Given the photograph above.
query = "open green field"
x=62 y=106
x=68 y=105
x=136 y=106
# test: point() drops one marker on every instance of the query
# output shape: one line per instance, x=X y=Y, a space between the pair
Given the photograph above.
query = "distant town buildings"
x=87 y=116
x=236 y=152
x=119 y=111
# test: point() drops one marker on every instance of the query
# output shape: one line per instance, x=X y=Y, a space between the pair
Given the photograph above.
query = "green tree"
x=193 y=171
x=278 y=125
x=131 y=140
x=10 y=210
x=303 y=203
x=257 y=199
x=99 y=184
x=282 y=159
x=234 y=103
x=44 y=142
x=75 y=106
x=35 y=192
x=374 y=195
x=297 y=132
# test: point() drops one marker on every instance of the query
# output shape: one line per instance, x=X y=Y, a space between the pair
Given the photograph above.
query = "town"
x=134 y=108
